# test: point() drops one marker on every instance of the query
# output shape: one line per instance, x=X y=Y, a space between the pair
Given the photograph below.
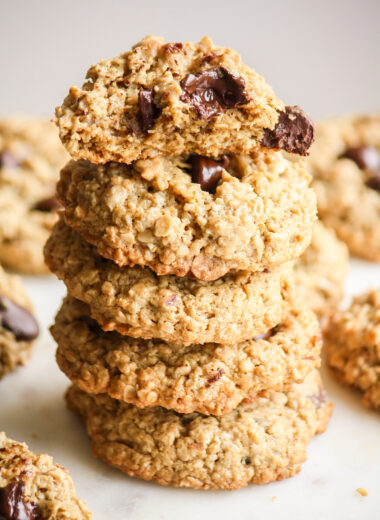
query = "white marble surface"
x=343 y=459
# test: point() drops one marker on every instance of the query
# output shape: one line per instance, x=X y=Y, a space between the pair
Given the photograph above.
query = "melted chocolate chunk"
x=367 y=158
x=48 y=205
x=268 y=334
x=215 y=378
x=213 y=91
x=17 y=320
x=12 y=503
x=294 y=132
x=207 y=172
x=148 y=111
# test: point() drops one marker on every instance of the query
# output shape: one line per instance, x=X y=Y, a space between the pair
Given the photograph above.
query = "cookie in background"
x=31 y=156
x=345 y=163
x=18 y=327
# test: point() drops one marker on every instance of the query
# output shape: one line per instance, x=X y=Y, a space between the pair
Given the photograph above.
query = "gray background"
x=322 y=55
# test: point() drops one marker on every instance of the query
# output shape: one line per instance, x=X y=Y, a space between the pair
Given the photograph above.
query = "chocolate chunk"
x=268 y=334
x=366 y=157
x=247 y=460
x=213 y=91
x=172 y=48
x=294 y=132
x=17 y=320
x=12 y=503
x=148 y=111
x=215 y=378
x=207 y=172
x=48 y=205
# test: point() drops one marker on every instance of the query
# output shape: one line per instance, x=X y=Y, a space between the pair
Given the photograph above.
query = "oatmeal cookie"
x=137 y=302
x=353 y=346
x=158 y=212
x=321 y=271
x=210 y=379
x=18 y=327
x=33 y=487
x=345 y=163
x=30 y=158
x=256 y=443
x=177 y=98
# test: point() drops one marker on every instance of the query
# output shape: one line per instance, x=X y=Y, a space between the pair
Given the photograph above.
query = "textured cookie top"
x=175 y=98
x=258 y=212
x=345 y=162
x=353 y=345
x=321 y=271
x=137 y=302
x=255 y=443
x=210 y=379
x=30 y=158
x=18 y=327
x=33 y=487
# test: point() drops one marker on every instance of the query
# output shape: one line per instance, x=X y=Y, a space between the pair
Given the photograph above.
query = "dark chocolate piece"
x=207 y=172
x=17 y=320
x=212 y=91
x=215 y=378
x=148 y=111
x=268 y=334
x=48 y=205
x=12 y=503
x=294 y=132
x=366 y=157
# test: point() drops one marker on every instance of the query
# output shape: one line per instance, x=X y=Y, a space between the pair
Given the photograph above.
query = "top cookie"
x=33 y=487
x=31 y=155
x=169 y=99
x=345 y=163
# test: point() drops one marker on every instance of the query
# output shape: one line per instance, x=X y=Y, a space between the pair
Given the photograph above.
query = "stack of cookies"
x=193 y=362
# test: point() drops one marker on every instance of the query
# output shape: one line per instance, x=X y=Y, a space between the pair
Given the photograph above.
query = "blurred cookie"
x=177 y=98
x=33 y=487
x=30 y=158
x=165 y=213
x=321 y=271
x=352 y=340
x=136 y=302
x=18 y=327
x=210 y=378
x=345 y=163
x=256 y=443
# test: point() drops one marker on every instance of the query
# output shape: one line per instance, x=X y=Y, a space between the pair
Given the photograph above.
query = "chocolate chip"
x=48 y=205
x=213 y=379
x=12 y=503
x=207 y=172
x=247 y=460
x=148 y=111
x=268 y=334
x=213 y=91
x=294 y=132
x=17 y=320
x=366 y=157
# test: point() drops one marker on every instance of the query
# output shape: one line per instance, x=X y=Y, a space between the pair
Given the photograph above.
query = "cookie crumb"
x=274 y=498
x=362 y=491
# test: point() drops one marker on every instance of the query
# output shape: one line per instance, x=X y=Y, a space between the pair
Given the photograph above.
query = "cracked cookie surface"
x=345 y=163
x=210 y=378
x=137 y=302
x=152 y=213
x=321 y=271
x=18 y=328
x=352 y=340
x=30 y=158
x=168 y=99
x=33 y=487
x=256 y=443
